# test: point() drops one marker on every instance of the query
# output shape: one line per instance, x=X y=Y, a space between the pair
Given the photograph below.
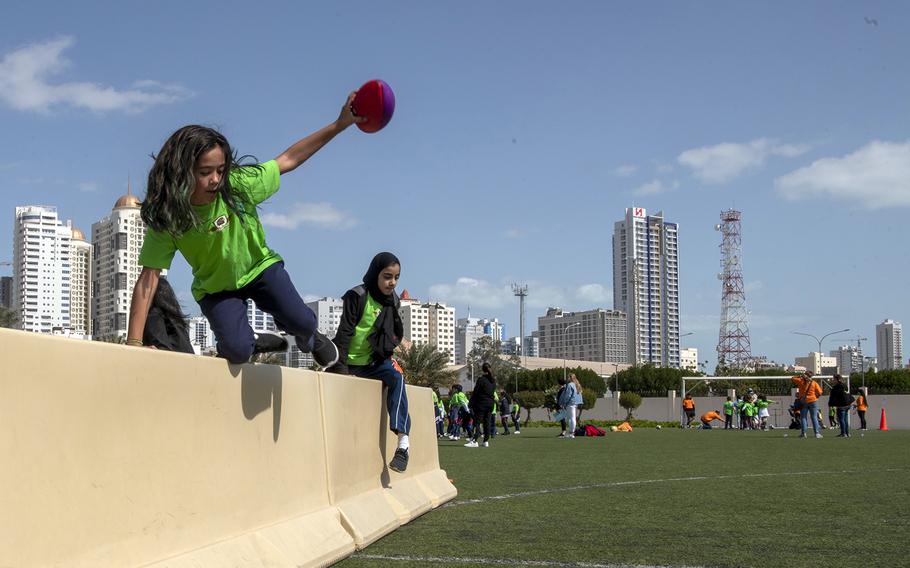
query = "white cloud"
x=877 y=176
x=655 y=187
x=754 y=286
x=473 y=292
x=724 y=162
x=88 y=186
x=514 y=234
x=322 y=215
x=24 y=84
x=483 y=295
x=664 y=168
x=594 y=294
x=625 y=170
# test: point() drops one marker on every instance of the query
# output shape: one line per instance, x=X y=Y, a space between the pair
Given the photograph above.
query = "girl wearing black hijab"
x=369 y=331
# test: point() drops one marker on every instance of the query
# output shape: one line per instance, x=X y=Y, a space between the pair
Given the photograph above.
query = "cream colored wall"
x=121 y=456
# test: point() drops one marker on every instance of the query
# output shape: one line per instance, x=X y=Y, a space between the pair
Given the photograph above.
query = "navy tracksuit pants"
x=273 y=293
x=396 y=394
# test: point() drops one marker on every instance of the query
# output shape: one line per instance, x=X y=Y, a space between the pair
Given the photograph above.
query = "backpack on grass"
x=591 y=430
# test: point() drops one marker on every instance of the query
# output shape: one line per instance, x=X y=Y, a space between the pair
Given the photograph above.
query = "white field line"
x=502 y=562
x=650 y=481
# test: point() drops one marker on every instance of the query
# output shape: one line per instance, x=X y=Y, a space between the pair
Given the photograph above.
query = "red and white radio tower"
x=733 y=347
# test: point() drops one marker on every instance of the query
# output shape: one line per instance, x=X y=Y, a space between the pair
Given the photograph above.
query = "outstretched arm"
x=143 y=292
x=303 y=149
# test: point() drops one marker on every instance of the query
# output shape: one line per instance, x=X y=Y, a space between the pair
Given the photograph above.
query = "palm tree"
x=8 y=318
x=425 y=366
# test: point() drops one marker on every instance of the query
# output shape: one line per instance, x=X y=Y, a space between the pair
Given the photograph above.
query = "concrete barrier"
x=120 y=456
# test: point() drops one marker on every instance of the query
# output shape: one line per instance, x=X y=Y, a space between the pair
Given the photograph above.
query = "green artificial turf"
x=668 y=498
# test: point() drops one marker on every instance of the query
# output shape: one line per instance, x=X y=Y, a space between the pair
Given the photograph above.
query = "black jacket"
x=482 y=397
x=163 y=333
x=355 y=301
x=839 y=396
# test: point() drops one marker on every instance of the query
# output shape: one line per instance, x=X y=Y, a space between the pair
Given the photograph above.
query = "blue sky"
x=522 y=131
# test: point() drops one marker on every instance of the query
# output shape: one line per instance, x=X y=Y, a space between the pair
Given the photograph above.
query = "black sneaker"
x=325 y=354
x=399 y=461
x=269 y=342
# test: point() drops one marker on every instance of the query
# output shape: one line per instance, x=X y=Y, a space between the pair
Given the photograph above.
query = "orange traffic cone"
x=883 y=424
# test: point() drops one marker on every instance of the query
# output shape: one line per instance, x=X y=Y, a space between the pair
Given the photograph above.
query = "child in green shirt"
x=369 y=331
x=202 y=202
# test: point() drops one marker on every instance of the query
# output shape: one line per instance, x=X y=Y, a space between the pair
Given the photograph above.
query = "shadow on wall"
x=385 y=478
x=261 y=392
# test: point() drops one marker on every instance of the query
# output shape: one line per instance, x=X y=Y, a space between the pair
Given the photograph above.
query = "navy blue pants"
x=273 y=293
x=396 y=394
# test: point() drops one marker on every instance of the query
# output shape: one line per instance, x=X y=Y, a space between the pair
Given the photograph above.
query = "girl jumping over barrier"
x=201 y=201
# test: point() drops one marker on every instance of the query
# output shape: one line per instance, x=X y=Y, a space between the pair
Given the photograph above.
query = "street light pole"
x=565 y=347
x=820 y=343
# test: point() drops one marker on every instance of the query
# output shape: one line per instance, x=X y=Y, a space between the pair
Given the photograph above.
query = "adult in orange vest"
x=710 y=416
x=862 y=405
x=807 y=395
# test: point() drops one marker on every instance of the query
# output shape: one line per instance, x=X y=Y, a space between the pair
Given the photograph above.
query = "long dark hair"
x=167 y=206
x=166 y=300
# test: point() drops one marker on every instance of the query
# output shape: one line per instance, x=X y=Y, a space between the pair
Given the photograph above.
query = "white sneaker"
x=471 y=444
x=518 y=431
x=485 y=444
x=818 y=435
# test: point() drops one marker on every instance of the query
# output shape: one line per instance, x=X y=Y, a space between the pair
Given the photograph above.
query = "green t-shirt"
x=762 y=404
x=224 y=253
x=459 y=399
x=360 y=352
x=728 y=407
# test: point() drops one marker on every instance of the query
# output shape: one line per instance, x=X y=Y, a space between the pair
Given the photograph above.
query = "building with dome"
x=116 y=242
x=80 y=284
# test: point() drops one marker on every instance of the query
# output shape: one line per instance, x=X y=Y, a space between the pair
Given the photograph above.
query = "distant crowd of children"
x=464 y=419
x=750 y=411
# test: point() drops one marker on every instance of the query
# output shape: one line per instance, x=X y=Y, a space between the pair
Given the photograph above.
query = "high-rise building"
x=849 y=359
x=430 y=323
x=593 y=335
x=41 y=269
x=6 y=291
x=531 y=345
x=201 y=337
x=646 y=286
x=468 y=330
x=259 y=320
x=328 y=317
x=116 y=240
x=889 y=345
x=81 y=285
